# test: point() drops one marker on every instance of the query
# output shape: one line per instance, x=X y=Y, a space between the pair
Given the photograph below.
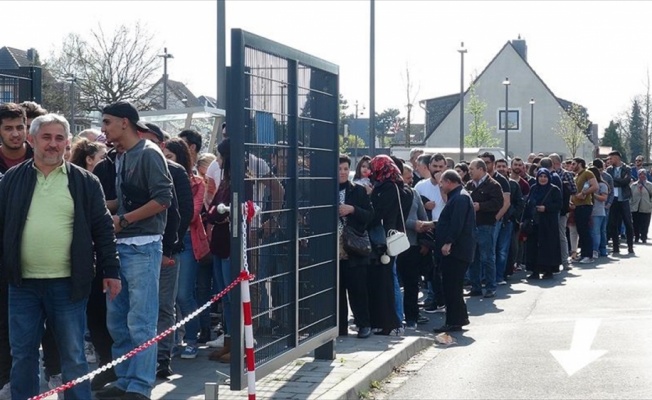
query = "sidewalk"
x=359 y=362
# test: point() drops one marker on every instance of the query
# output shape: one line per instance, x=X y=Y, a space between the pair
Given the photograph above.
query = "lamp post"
x=532 y=125
x=356 y=104
x=372 y=78
x=165 y=57
x=72 y=79
x=506 y=83
x=462 y=51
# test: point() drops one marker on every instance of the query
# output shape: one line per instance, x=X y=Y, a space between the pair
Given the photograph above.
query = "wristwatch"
x=123 y=222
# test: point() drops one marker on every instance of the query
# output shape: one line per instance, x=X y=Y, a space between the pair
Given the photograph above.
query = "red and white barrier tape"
x=249 y=210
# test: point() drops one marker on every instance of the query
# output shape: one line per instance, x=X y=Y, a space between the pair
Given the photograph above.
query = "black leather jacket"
x=93 y=240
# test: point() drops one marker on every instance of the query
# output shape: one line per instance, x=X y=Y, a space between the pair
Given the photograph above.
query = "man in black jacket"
x=487 y=196
x=455 y=242
x=619 y=212
x=48 y=276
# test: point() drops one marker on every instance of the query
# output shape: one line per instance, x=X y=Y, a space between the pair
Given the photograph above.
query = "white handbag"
x=397 y=241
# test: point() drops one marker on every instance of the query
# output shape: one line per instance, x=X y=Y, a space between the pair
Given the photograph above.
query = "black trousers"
x=5 y=349
x=408 y=264
x=583 y=220
x=641 y=223
x=436 y=280
x=96 y=320
x=353 y=281
x=620 y=213
x=452 y=272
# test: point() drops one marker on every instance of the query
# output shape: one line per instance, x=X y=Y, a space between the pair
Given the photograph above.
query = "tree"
x=108 y=68
x=612 y=139
x=636 y=131
x=388 y=122
x=349 y=142
x=480 y=134
x=411 y=98
x=573 y=127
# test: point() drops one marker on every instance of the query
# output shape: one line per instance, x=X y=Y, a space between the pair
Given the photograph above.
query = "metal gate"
x=282 y=120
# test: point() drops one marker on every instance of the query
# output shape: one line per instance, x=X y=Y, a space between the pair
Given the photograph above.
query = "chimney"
x=521 y=47
x=32 y=55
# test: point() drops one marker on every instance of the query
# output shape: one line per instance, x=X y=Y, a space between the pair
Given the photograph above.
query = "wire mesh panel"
x=282 y=120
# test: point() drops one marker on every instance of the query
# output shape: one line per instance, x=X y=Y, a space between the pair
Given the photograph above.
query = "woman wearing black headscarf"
x=388 y=190
x=543 y=207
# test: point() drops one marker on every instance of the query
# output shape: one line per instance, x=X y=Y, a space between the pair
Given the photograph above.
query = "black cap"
x=153 y=128
x=124 y=109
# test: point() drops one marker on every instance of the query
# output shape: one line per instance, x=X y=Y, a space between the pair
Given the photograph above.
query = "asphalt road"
x=598 y=316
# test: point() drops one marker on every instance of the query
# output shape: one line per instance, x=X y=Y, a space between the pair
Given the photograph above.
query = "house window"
x=513 y=120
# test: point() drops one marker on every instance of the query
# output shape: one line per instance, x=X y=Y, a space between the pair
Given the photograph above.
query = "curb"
x=377 y=369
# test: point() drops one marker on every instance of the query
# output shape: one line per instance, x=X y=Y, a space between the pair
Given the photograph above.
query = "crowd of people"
x=472 y=225
x=105 y=241
x=110 y=236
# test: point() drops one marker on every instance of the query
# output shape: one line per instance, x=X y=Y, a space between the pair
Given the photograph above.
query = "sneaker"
x=567 y=267
x=501 y=283
x=5 y=392
x=189 y=352
x=219 y=342
x=176 y=350
x=596 y=254
x=398 y=332
x=410 y=325
x=54 y=382
x=435 y=309
x=586 y=260
x=89 y=351
x=422 y=320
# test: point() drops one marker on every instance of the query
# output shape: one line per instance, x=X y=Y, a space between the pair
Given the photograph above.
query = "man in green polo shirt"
x=46 y=205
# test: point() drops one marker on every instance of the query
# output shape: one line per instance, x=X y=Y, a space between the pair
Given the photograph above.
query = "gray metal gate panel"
x=282 y=120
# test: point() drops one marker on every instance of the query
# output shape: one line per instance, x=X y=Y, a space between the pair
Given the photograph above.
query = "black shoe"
x=630 y=251
x=534 y=275
x=102 y=379
x=489 y=294
x=364 y=333
x=110 y=393
x=204 y=336
x=134 y=396
x=473 y=293
x=163 y=370
x=547 y=275
x=447 y=328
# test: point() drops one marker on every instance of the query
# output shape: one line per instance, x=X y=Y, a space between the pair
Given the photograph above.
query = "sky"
x=593 y=53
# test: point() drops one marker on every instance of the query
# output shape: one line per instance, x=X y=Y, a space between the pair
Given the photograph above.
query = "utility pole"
x=165 y=57
x=72 y=79
x=462 y=51
x=372 y=80
x=221 y=55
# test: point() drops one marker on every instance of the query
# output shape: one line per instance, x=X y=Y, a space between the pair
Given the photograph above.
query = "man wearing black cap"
x=179 y=216
x=144 y=193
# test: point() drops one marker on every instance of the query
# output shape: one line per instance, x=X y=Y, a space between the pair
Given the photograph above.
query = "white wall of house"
x=524 y=86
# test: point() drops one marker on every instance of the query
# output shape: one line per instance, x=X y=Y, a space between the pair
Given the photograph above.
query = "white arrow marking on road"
x=580 y=354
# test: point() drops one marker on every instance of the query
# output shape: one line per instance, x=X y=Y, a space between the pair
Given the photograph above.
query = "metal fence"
x=282 y=120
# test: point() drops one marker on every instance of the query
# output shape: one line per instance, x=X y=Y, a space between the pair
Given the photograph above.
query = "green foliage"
x=480 y=133
x=636 y=131
x=350 y=142
x=612 y=138
x=572 y=128
x=344 y=117
x=389 y=123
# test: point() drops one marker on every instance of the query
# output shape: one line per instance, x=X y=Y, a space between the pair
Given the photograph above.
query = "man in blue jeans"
x=487 y=196
x=144 y=192
x=48 y=276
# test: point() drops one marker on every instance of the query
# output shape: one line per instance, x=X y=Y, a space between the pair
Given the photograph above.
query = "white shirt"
x=432 y=192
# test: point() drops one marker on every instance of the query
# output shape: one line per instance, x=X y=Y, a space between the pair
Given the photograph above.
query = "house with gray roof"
x=179 y=96
x=20 y=75
x=443 y=113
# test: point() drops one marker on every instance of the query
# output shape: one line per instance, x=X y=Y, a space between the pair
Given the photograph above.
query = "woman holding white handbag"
x=389 y=198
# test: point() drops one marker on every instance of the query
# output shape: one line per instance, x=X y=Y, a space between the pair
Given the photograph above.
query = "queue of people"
x=471 y=226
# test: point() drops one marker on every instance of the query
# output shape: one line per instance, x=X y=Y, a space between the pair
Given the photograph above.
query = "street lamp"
x=506 y=83
x=356 y=109
x=532 y=125
x=72 y=79
x=165 y=57
x=462 y=51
